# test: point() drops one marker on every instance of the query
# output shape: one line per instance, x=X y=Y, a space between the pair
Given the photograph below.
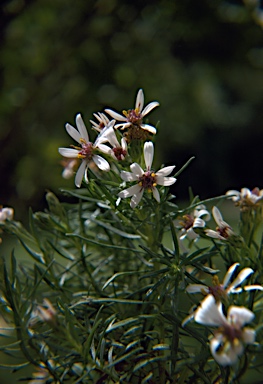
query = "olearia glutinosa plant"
x=120 y=284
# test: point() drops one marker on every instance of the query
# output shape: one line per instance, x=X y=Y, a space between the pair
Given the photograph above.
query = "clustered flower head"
x=223 y=230
x=190 y=221
x=107 y=145
x=246 y=199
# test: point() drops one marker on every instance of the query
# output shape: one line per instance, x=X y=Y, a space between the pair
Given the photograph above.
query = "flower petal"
x=222 y=357
x=80 y=173
x=241 y=277
x=248 y=335
x=229 y=274
x=239 y=315
x=149 y=107
x=139 y=100
x=195 y=288
x=135 y=189
x=148 y=151
x=149 y=128
x=136 y=199
x=101 y=163
x=115 y=115
x=82 y=128
x=73 y=132
x=210 y=313
x=165 y=171
x=128 y=176
x=69 y=152
x=136 y=170
x=156 y=194
x=166 y=181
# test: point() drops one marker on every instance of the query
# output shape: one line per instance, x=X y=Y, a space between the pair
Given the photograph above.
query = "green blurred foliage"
x=202 y=60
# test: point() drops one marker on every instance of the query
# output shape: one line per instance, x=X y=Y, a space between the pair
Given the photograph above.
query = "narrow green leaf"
x=115 y=230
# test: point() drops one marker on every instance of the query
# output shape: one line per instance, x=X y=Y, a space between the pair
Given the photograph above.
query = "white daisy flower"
x=103 y=121
x=196 y=219
x=6 y=214
x=246 y=198
x=229 y=340
x=135 y=116
x=223 y=230
x=108 y=135
x=85 y=152
x=145 y=179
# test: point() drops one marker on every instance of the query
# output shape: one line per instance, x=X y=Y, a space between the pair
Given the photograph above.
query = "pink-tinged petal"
x=73 y=132
x=239 y=315
x=229 y=274
x=101 y=163
x=241 y=277
x=165 y=171
x=136 y=170
x=165 y=181
x=248 y=335
x=197 y=288
x=135 y=189
x=80 y=173
x=253 y=287
x=128 y=176
x=149 y=107
x=115 y=115
x=148 y=151
x=139 y=100
x=69 y=152
x=82 y=128
x=223 y=358
x=136 y=199
x=210 y=313
x=149 y=128
x=156 y=194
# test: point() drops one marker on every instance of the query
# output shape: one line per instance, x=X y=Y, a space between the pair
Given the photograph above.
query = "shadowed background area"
x=202 y=60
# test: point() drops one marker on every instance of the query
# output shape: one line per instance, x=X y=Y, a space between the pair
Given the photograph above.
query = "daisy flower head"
x=232 y=335
x=223 y=230
x=196 y=219
x=246 y=199
x=86 y=151
x=118 y=151
x=133 y=118
x=145 y=180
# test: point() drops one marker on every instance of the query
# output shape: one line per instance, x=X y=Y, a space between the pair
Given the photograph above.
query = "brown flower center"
x=148 y=180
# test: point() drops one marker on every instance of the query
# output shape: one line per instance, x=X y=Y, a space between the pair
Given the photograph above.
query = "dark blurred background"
x=201 y=59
